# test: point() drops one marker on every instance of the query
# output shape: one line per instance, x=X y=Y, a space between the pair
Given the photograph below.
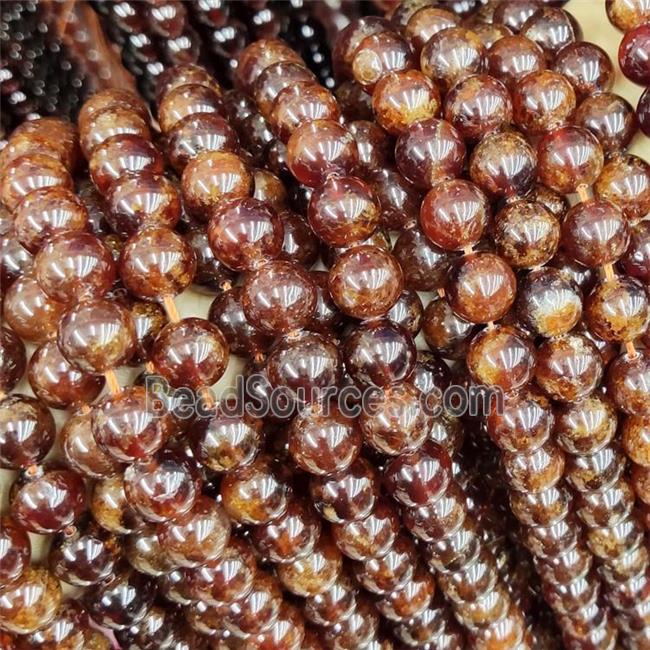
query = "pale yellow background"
x=591 y=16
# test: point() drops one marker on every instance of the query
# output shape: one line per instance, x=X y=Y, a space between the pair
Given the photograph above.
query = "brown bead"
x=145 y=553
x=275 y=78
x=27 y=431
x=454 y=214
x=31 y=602
x=279 y=297
x=511 y=58
x=432 y=521
x=181 y=75
x=627 y=383
x=625 y=181
x=46 y=212
x=107 y=98
x=477 y=105
x=114 y=120
x=97 y=335
x=427 y=21
x=568 y=158
x=543 y=508
x=503 y=164
x=110 y=508
x=424 y=265
x=299 y=104
x=481 y=287
x=15 y=550
x=633 y=54
x=333 y=605
x=398 y=198
x=536 y=470
x=211 y=177
x=595 y=471
x=514 y=13
x=501 y=356
x=183 y=101
x=57 y=383
x=445 y=332
x=587 y=67
x=290 y=536
x=452 y=54
x=543 y=101
x=378 y=55
x=407 y=311
x=548 y=303
x=430 y=151
x=403 y=98
x=320 y=148
x=556 y=203
x=349 y=494
x=348 y=40
x=627 y=14
x=385 y=574
x=287 y=633
x=259 y=611
x=397 y=421
x=131 y=425
x=120 y=155
x=12 y=360
x=552 y=29
x=31 y=172
x=595 y=233
x=365 y=282
x=300 y=244
x=81 y=451
x=490 y=34
x=258 y=56
x=640 y=478
x=46 y=499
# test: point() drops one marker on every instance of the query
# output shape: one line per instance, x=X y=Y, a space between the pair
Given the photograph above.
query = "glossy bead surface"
x=503 y=164
x=625 y=181
x=275 y=78
x=97 y=335
x=502 y=357
x=29 y=603
x=586 y=426
x=320 y=148
x=46 y=500
x=211 y=177
x=110 y=508
x=279 y=297
x=481 y=287
x=643 y=112
x=569 y=157
x=300 y=244
x=343 y=211
x=628 y=379
x=423 y=264
x=427 y=21
x=548 y=303
x=402 y=98
x=552 y=29
x=595 y=232
x=45 y=212
x=15 y=550
x=568 y=368
x=633 y=54
x=57 y=383
x=186 y=100
x=27 y=431
x=365 y=282
x=526 y=234
x=454 y=214
x=444 y=331
x=430 y=151
x=534 y=471
x=258 y=56
x=477 y=105
x=130 y=425
x=543 y=101
x=452 y=54
x=511 y=58
x=121 y=155
x=587 y=67
x=636 y=260
x=111 y=121
x=192 y=353
x=514 y=13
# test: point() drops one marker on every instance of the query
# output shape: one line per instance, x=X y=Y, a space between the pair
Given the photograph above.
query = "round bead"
x=15 y=550
x=569 y=157
x=46 y=500
x=424 y=265
x=511 y=58
x=430 y=151
x=445 y=332
x=552 y=29
x=320 y=148
x=628 y=379
x=131 y=425
x=97 y=335
x=31 y=172
x=617 y=310
x=110 y=122
x=501 y=356
x=514 y=13
x=300 y=244
x=120 y=155
x=452 y=54
x=211 y=177
x=543 y=101
x=182 y=101
x=258 y=56
x=407 y=311
x=276 y=78
x=427 y=21
x=633 y=54
x=45 y=212
x=365 y=282
x=503 y=164
x=595 y=233
x=643 y=112
x=157 y=262
x=636 y=260
x=587 y=67
x=535 y=471
x=402 y=98
x=110 y=508
x=625 y=181
x=526 y=234
x=548 y=303
x=57 y=383
x=481 y=287
x=279 y=297
x=343 y=211
x=12 y=360
x=181 y=75
x=379 y=54
x=74 y=266
x=586 y=426
x=568 y=367
x=627 y=14
x=454 y=214
x=477 y=105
